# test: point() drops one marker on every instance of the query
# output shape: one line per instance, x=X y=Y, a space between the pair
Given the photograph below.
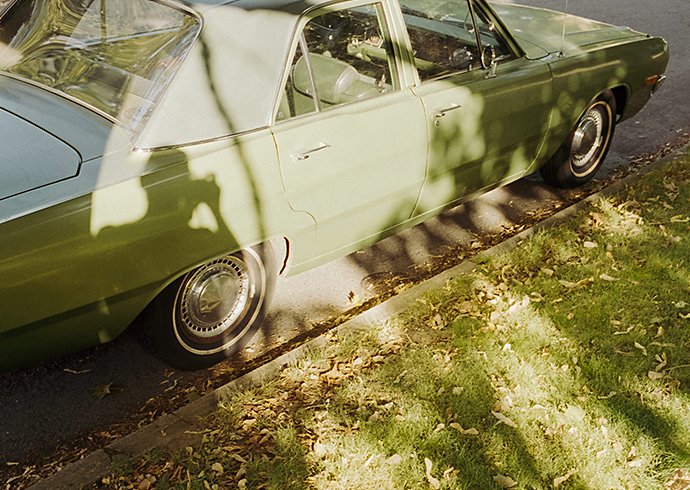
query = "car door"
x=488 y=108
x=350 y=133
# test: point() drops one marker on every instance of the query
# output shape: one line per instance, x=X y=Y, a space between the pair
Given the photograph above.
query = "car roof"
x=290 y=6
x=232 y=76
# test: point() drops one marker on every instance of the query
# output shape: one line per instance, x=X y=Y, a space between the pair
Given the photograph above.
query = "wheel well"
x=281 y=248
x=621 y=95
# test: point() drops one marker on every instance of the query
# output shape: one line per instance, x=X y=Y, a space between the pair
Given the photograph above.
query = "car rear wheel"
x=579 y=158
x=213 y=311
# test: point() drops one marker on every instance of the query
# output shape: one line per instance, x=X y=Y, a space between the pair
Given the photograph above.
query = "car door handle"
x=440 y=113
x=304 y=155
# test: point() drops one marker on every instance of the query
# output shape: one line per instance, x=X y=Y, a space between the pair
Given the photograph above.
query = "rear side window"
x=343 y=56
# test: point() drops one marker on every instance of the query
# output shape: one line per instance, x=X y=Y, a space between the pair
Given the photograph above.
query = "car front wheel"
x=213 y=311
x=578 y=159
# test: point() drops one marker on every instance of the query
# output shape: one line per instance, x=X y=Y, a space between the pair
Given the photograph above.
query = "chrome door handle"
x=440 y=113
x=304 y=155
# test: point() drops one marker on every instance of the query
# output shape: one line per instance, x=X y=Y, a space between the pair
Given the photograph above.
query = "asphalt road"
x=83 y=400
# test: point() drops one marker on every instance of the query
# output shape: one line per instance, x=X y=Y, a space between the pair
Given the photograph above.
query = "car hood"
x=540 y=31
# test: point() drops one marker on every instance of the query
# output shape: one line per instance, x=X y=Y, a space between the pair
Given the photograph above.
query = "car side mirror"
x=489 y=60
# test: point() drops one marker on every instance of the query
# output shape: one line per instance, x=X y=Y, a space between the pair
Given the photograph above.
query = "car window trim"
x=310 y=71
x=499 y=27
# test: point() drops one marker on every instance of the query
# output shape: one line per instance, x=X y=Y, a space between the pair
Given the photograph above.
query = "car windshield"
x=115 y=56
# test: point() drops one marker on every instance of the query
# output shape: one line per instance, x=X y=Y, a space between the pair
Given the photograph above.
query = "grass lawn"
x=562 y=364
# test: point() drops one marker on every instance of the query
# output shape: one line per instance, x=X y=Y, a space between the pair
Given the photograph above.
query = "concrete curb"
x=184 y=426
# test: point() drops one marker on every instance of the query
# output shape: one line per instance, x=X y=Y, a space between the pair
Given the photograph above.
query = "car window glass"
x=343 y=56
x=444 y=40
x=116 y=57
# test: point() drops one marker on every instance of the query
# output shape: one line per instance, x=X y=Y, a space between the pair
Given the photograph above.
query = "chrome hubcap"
x=588 y=139
x=215 y=297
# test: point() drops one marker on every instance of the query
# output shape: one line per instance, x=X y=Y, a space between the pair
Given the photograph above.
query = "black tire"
x=213 y=311
x=582 y=154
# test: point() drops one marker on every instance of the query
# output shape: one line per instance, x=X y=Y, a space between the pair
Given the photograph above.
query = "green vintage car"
x=170 y=159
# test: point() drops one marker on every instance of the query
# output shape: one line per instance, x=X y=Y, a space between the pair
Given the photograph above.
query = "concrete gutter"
x=185 y=426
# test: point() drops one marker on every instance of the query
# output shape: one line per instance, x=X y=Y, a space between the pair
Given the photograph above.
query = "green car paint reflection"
x=171 y=167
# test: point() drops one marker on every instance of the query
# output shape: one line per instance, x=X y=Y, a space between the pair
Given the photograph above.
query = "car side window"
x=444 y=39
x=343 y=56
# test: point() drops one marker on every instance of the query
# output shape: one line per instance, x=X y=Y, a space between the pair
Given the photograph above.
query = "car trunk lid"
x=31 y=157
x=90 y=134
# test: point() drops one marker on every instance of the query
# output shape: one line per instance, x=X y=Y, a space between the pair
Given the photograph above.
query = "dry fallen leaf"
x=661 y=359
x=624 y=353
x=146 y=484
x=395 y=459
x=610 y=395
x=400 y=376
x=505 y=481
x=433 y=482
x=468 y=432
x=375 y=417
x=72 y=371
x=102 y=390
x=438 y=323
x=585 y=282
x=504 y=419
x=606 y=277
x=562 y=479
x=680 y=480
x=238 y=458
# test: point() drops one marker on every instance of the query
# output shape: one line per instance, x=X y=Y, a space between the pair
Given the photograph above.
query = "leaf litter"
x=315 y=389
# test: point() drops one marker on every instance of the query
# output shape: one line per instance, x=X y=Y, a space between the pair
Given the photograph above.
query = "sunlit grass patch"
x=549 y=367
x=562 y=364
x=614 y=302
